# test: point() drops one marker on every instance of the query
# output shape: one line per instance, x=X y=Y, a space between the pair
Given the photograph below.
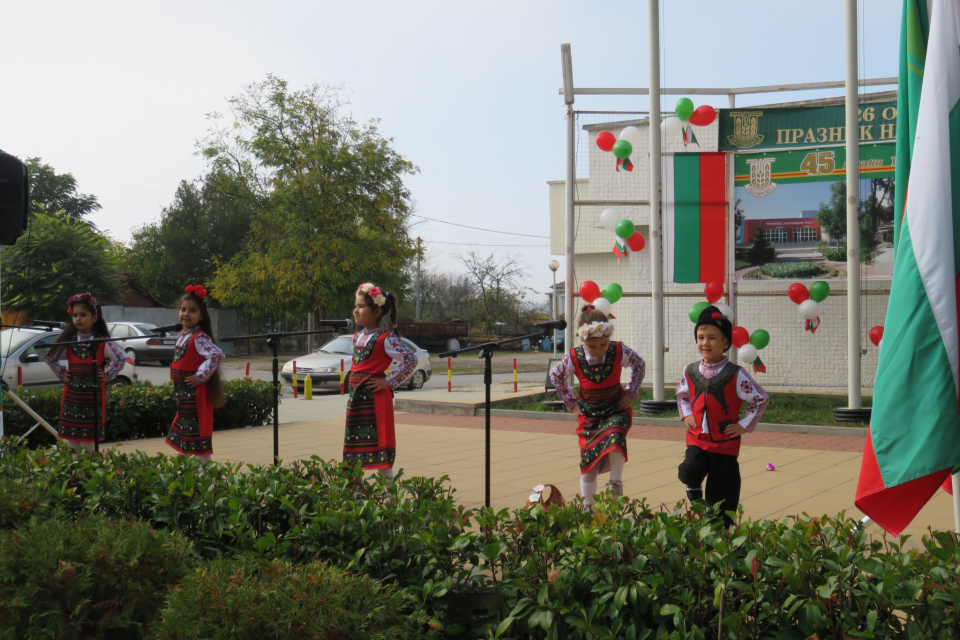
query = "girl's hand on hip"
x=191 y=381
x=690 y=421
x=625 y=402
x=378 y=384
x=576 y=409
x=65 y=376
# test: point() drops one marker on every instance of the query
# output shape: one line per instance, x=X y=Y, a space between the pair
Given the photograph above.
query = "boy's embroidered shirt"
x=751 y=393
x=395 y=350
x=560 y=375
x=204 y=345
x=112 y=353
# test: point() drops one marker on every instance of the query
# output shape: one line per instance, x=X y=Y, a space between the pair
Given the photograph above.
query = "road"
x=157 y=374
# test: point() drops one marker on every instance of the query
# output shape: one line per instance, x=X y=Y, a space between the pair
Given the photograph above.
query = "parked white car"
x=18 y=351
x=323 y=365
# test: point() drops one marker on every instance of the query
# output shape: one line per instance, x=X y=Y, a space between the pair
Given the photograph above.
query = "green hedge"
x=93 y=579
x=142 y=410
x=621 y=571
x=792 y=270
x=258 y=599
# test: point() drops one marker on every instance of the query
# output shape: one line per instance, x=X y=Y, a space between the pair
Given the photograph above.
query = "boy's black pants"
x=722 y=473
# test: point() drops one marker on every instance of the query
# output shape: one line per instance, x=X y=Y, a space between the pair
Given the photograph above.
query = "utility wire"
x=473 y=244
x=509 y=233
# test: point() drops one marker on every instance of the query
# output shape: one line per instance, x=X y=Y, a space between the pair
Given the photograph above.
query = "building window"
x=805 y=234
x=775 y=235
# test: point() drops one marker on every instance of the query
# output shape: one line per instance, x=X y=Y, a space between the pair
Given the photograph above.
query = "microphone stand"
x=486 y=352
x=273 y=340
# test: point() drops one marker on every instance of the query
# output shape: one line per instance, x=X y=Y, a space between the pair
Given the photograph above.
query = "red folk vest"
x=717 y=398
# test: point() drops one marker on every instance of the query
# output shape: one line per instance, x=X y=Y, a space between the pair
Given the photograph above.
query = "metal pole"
x=566 y=58
x=418 y=279
x=732 y=245
x=853 y=211
x=656 y=260
x=554 y=313
x=310 y=342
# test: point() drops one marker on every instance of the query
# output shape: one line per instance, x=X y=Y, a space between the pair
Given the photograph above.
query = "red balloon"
x=703 y=115
x=606 y=140
x=589 y=290
x=740 y=337
x=636 y=242
x=713 y=291
x=876 y=335
x=798 y=293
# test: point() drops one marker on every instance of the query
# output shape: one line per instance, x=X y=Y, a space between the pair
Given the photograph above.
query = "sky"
x=117 y=93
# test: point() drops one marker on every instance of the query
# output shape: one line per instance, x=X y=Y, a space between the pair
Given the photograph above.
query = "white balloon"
x=748 y=353
x=609 y=219
x=602 y=305
x=809 y=309
x=725 y=310
x=631 y=135
x=672 y=127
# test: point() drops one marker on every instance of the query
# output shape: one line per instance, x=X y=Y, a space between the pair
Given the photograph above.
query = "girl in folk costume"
x=369 y=437
x=196 y=377
x=602 y=405
x=710 y=396
x=80 y=419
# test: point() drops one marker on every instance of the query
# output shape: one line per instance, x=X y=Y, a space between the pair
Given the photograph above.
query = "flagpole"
x=566 y=58
x=853 y=211
x=656 y=240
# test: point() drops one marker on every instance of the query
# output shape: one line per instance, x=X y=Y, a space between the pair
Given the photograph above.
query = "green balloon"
x=696 y=310
x=684 y=108
x=760 y=338
x=622 y=149
x=625 y=229
x=612 y=292
x=819 y=291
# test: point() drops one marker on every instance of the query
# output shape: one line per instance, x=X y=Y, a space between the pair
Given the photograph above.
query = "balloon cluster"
x=687 y=115
x=621 y=148
x=713 y=291
x=876 y=335
x=749 y=345
x=627 y=234
x=602 y=301
x=809 y=301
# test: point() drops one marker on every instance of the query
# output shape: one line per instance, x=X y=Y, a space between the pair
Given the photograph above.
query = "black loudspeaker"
x=14 y=198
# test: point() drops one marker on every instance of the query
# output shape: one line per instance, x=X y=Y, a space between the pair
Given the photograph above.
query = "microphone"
x=169 y=327
x=346 y=324
x=50 y=324
x=553 y=325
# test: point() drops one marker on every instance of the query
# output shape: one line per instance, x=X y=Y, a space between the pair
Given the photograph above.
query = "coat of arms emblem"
x=761 y=177
x=745 y=125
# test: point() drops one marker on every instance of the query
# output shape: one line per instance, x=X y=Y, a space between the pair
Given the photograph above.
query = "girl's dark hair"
x=389 y=308
x=589 y=315
x=70 y=333
x=215 y=390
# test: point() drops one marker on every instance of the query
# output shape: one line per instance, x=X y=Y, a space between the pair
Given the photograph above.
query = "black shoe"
x=694 y=494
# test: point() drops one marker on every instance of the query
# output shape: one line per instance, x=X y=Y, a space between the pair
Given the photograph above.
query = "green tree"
x=55 y=193
x=60 y=257
x=761 y=251
x=334 y=207
x=206 y=223
x=833 y=215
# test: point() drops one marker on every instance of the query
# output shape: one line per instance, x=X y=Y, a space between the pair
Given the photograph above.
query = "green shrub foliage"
x=270 y=599
x=792 y=270
x=622 y=570
x=95 y=578
x=142 y=410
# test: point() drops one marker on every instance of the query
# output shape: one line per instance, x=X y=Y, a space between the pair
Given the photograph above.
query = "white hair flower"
x=595 y=330
x=374 y=292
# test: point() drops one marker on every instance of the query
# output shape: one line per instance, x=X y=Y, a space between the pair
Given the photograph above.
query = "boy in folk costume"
x=710 y=396
x=602 y=405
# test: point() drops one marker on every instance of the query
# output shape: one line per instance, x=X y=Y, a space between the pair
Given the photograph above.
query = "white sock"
x=74 y=444
x=388 y=473
x=588 y=486
x=616 y=466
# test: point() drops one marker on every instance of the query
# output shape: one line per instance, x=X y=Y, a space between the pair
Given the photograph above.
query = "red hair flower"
x=716 y=316
x=81 y=298
x=198 y=290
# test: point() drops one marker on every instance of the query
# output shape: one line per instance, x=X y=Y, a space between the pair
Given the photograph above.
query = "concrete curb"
x=817 y=430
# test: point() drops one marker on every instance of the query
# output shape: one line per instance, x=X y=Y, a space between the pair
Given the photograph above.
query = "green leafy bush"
x=142 y=410
x=255 y=598
x=94 y=578
x=742 y=264
x=792 y=270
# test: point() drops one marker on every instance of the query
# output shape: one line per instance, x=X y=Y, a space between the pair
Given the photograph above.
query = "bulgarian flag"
x=913 y=444
x=695 y=217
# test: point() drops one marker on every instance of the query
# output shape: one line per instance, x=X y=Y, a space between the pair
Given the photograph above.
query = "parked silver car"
x=18 y=350
x=323 y=365
x=149 y=346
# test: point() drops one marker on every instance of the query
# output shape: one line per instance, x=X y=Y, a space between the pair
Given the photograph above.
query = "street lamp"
x=554 y=265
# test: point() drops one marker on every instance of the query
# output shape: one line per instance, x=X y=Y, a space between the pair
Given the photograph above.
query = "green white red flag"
x=913 y=444
x=695 y=217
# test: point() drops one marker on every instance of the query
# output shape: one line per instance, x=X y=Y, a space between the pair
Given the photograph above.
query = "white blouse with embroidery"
x=210 y=352
x=393 y=347
x=114 y=356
